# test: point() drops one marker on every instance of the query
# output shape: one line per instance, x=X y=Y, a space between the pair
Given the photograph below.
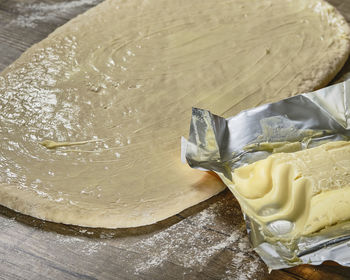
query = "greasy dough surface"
x=91 y=117
x=309 y=188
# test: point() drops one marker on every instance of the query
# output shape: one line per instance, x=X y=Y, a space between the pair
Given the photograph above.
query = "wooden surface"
x=207 y=241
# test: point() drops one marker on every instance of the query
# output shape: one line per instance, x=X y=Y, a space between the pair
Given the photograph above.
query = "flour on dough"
x=121 y=79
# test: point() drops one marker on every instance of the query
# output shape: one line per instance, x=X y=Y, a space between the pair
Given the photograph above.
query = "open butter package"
x=288 y=165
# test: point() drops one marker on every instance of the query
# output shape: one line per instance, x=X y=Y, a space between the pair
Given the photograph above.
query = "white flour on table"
x=31 y=14
x=193 y=243
x=215 y=237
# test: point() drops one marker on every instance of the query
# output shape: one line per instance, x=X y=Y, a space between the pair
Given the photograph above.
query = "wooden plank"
x=198 y=244
x=207 y=241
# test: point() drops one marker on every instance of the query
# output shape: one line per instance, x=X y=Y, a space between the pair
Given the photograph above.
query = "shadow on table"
x=74 y=230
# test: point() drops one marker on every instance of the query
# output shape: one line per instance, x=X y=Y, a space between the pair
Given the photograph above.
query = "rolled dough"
x=91 y=117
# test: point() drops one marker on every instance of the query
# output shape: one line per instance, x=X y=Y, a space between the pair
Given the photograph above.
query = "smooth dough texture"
x=91 y=117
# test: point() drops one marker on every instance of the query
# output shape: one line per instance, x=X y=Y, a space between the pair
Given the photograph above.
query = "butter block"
x=296 y=194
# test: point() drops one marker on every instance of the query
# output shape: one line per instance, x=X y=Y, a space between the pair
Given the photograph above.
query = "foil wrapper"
x=303 y=121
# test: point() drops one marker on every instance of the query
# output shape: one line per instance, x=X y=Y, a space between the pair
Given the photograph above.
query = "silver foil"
x=311 y=119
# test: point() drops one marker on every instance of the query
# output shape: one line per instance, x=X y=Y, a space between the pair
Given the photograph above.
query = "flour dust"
x=214 y=235
x=32 y=14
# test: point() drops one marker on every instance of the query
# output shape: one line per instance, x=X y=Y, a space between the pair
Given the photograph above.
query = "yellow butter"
x=309 y=190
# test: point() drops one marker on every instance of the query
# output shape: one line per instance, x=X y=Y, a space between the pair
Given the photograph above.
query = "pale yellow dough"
x=310 y=189
x=113 y=90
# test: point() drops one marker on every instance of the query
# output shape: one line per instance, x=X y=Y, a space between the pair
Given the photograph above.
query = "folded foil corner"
x=300 y=122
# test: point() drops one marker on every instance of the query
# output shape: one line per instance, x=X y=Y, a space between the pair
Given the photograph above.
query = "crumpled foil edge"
x=219 y=144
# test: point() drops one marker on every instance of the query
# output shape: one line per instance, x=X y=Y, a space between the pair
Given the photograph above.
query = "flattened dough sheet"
x=114 y=87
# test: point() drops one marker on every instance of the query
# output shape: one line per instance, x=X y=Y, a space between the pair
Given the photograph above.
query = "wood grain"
x=207 y=241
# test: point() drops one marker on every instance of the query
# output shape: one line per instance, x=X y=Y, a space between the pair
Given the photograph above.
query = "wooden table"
x=207 y=241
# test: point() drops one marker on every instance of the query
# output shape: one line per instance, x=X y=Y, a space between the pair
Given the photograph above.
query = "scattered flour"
x=82 y=245
x=192 y=243
x=211 y=241
x=47 y=12
x=214 y=235
x=6 y=222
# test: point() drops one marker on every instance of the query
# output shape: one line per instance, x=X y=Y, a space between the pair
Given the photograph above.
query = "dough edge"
x=31 y=204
